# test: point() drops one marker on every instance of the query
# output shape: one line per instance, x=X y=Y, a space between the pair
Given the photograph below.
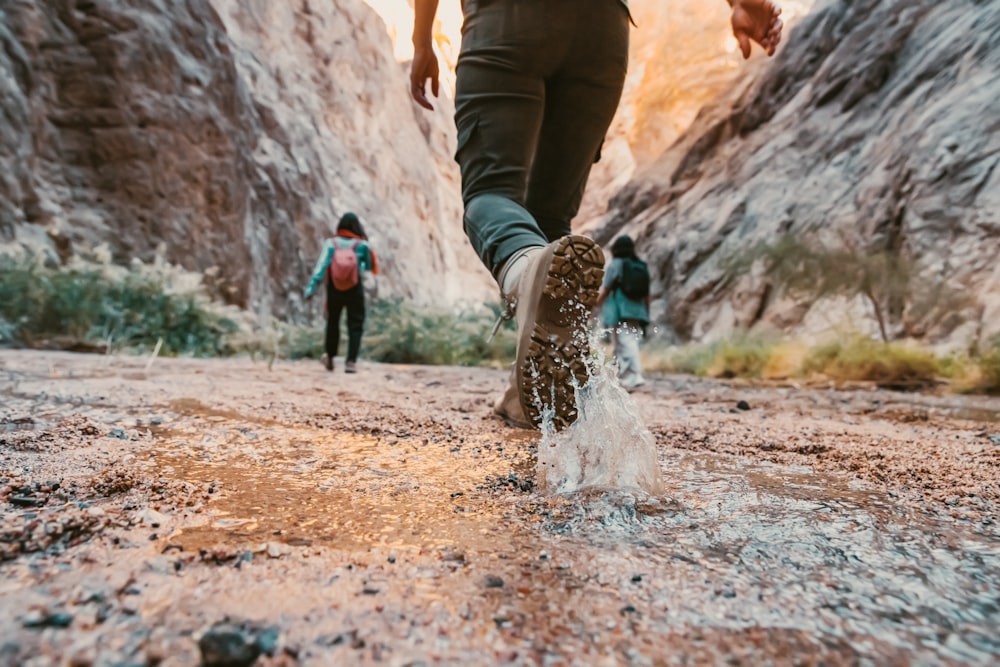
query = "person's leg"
x=581 y=98
x=355 y=322
x=510 y=51
x=618 y=350
x=334 y=307
x=629 y=361
x=508 y=48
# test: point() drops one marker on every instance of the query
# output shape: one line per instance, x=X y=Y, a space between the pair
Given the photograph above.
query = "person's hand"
x=424 y=67
x=756 y=20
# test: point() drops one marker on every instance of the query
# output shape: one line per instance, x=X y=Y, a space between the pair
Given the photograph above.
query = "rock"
x=869 y=121
x=138 y=124
x=742 y=405
x=44 y=619
x=277 y=550
x=118 y=433
x=493 y=581
x=994 y=438
x=228 y=645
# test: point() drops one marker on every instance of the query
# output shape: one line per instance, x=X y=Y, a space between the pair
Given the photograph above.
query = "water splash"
x=608 y=447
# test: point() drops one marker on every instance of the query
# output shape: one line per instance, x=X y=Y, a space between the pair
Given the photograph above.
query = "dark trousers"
x=538 y=83
x=336 y=301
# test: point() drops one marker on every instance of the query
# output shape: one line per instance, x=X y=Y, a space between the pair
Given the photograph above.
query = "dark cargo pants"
x=538 y=83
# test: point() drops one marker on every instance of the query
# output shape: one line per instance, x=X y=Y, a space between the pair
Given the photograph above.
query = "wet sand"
x=218 y=510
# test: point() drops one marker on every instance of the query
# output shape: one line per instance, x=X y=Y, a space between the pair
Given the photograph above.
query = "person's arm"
x=425 y=64
x=610 y=282
x=320 y=268
x=602 y=297
x=758 y=21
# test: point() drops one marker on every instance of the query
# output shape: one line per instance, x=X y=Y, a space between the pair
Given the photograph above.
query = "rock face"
x=228 y=134
x=877 y=123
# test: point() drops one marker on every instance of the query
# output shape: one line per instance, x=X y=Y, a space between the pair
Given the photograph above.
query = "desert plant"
x=888 y=365
x=86 y=305
x=889 y=281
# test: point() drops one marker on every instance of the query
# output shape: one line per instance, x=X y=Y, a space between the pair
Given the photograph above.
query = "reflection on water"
x=743 y=555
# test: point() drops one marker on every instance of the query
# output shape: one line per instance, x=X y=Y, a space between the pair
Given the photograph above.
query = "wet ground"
x=216 y=510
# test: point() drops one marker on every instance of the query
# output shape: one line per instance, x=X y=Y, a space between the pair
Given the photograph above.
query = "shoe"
x=553 y=301
x=508 y=407
x=327 y=361
x=350 y=367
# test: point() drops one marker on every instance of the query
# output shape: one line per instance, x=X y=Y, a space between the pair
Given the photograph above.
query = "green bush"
x=43 y=307
x=744 y=357
x=399 y=333
x=887 y=365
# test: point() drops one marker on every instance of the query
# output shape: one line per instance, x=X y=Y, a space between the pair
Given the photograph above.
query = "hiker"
x=537 y=85
x=625 y=300
x=340 y=265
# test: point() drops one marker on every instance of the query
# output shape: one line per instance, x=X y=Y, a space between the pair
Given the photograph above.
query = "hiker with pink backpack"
x=340 y=264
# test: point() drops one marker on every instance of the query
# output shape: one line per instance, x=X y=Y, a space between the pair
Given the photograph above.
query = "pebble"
x=493 y=581
x=742 y=405
x=228 y=645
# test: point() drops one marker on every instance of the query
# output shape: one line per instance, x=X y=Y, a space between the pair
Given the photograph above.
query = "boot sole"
x=554 y=359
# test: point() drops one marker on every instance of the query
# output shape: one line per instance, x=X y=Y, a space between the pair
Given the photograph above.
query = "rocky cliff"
x=877 y=124
x=226 y=134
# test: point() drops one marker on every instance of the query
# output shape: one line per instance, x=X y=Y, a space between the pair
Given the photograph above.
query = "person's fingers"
x=417 y=91
x=434 y=85
x=744 y=42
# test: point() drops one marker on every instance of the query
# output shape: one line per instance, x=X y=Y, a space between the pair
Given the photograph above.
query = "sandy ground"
x=221 y=510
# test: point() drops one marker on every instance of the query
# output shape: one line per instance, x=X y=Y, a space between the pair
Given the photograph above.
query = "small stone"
x=493 y=581
x=636 y=578
x=277 y=550
x=228 y=645
x=994 y=438
x=118 y=433
x=628 y=609
x=742 y=405
x=41 y=619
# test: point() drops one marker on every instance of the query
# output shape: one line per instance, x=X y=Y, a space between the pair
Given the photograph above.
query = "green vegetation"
x=887 y=365
x=400 y=333
x=903 y=302
x=106 y=308
x=103 y=308
x=90 y=308
x=854 y=359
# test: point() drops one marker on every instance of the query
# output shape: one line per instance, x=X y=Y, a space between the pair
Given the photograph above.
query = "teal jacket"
x=366 y=259
x=618 y=307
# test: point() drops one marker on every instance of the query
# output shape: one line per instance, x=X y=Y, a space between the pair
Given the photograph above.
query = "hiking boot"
x=553 y=301
x=508 y=408
x=350 y=367
x=327 y=361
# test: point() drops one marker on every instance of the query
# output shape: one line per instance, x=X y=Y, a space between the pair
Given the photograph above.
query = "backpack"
x=634 y=281
x=344 y=266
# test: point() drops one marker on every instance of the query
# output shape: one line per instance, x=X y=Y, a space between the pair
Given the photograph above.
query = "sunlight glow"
x=398 y=17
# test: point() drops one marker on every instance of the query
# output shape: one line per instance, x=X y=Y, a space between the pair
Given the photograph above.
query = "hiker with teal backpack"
x=625 y=299
x=340 y=265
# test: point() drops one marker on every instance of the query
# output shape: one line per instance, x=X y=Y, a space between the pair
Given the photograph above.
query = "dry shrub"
x=888 y=365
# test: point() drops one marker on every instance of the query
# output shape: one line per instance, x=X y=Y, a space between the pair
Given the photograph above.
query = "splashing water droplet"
x=607 y=447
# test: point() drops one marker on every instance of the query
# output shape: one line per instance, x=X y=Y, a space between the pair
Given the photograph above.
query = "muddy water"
x=733 y=559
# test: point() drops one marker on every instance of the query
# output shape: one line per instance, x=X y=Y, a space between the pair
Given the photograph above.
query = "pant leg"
x=581 y=99
x=630 y=364
x=334 y=307
x=355 y=320
x=538 y=82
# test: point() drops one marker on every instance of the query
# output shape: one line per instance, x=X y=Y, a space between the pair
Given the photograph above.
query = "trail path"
x=388 y=518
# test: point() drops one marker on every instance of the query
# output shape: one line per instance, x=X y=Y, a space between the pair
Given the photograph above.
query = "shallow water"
x=816 y=563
